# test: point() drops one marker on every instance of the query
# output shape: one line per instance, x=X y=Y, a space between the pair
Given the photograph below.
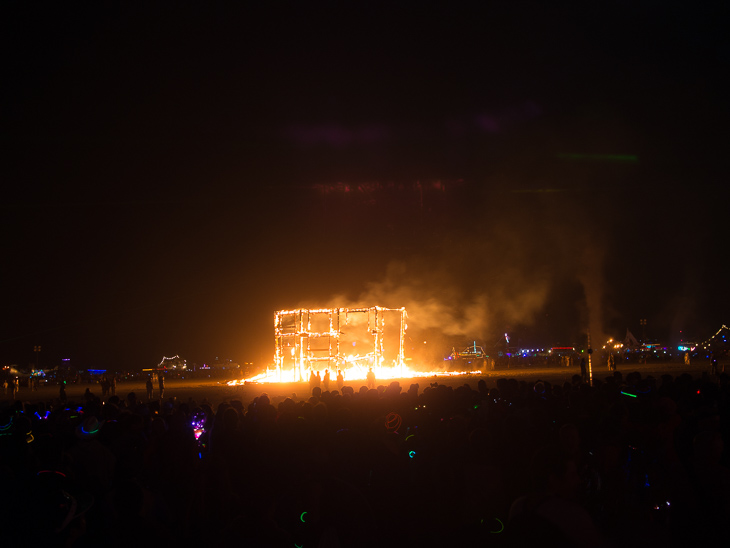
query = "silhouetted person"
x=583 y=372
x=326 y=380
x=312 y=381
x=371 y=378
x=552 y=509
x=150 y=388
x=340 y=380
x=162 y=385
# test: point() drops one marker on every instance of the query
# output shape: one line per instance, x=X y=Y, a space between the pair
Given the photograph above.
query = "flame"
x=296 y=333
x=355 y=373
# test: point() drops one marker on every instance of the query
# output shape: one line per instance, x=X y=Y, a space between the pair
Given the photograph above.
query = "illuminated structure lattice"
x=294 y=335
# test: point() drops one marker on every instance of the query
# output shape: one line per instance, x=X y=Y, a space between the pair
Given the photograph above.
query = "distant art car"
x=471 y=356
x=472 y=352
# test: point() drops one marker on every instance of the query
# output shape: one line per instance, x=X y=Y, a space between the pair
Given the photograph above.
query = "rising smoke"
x=505 y=272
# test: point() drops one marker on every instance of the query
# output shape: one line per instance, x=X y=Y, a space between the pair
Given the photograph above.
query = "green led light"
x=501 y=526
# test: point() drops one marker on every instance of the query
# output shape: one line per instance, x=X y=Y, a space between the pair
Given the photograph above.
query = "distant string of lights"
x=709 y=341
x=165 y=358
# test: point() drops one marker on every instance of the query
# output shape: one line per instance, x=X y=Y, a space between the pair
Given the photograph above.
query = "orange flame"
x=275 y=375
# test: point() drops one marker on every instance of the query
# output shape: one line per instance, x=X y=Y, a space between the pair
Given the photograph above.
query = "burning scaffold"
x=313 y=339
x=308 y=340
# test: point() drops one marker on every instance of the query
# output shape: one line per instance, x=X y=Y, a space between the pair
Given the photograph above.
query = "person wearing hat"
x=89 y=428
x=92 y=462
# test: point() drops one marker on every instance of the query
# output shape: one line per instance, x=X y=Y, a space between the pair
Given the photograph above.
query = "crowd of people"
x=626 y=461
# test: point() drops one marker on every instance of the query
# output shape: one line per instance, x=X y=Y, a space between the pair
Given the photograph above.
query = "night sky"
x=174 y=175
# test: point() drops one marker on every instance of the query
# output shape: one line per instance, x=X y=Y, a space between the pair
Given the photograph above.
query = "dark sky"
x=172 y=176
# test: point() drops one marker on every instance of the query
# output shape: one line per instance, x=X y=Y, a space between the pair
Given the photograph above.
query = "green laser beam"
x=620 y=158
x=539 y=190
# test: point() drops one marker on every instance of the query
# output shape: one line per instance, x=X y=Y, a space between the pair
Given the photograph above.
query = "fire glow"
x=308 y=340
x=353 y=374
